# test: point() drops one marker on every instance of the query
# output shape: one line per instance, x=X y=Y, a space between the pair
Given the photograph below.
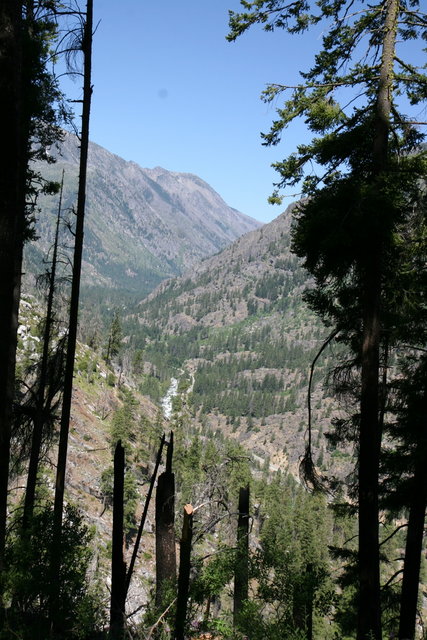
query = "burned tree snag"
x=414 y=540
x=39 y=421
x=118 y=567
x=184 y=573
x=144 y=515
x=165 y=529
x=241 y=571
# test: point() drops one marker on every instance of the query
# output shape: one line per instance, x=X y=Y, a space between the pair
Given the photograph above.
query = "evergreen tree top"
x=339 y=94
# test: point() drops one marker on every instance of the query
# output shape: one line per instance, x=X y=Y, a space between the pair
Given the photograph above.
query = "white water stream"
x=167 y=400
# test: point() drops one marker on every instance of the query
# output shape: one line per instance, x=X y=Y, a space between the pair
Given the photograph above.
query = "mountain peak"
x=142 y=225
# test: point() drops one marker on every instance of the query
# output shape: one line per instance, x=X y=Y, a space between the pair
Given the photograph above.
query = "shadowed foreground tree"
x=29 y=93
x=241 y=572
x=417 y=508
x=118 y=567
x=404 y=479
x=360 y=189
x=144 y=516
x=184 y=573
x=43 y=399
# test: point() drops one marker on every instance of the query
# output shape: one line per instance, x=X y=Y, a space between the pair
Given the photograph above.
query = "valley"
x=213 y=428
x=219 y=355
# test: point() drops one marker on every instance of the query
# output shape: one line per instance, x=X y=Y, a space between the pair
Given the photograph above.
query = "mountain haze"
x=142 y=225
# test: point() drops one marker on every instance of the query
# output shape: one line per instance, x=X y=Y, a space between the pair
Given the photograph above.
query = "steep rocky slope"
x=99 y=392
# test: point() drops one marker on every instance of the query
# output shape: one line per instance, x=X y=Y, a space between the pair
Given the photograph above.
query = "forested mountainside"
x=236 y=330
x=142 y=225
x=290 y=527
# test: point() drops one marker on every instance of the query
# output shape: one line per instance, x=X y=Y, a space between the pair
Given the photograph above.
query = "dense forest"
x=155 y=480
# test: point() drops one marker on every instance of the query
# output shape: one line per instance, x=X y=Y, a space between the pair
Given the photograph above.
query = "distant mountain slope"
x=238 y=327
x=142 y=225
x=257 y=273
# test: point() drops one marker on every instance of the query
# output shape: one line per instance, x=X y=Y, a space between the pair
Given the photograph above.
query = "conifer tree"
x=362 y=191
x=115 y=337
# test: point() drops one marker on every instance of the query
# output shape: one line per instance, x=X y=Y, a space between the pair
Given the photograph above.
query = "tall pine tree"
x=362 y=190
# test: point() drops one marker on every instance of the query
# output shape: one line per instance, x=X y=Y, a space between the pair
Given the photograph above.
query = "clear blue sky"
x=170 y=91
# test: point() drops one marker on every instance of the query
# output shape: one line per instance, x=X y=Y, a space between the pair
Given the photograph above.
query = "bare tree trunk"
x=74 y=308
x=165 y=529
x=118 y=566
x=39 y=420
x=144 y=516
x=414 y=543
x=369 y=614
x=184 y=573
x=369 y=608
x=241 y=571
x=411 y=568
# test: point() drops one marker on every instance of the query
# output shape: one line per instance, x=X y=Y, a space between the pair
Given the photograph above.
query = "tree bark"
x=241 y=571
x=165 y=529
x=184 y=573
x=412 y=563
x=118 y=567
x=165 y=535
x=369 y=608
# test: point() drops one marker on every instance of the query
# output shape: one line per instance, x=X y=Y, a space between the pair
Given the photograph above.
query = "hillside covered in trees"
x=241 y=454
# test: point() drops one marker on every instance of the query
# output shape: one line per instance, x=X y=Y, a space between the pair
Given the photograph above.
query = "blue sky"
x=170 y=91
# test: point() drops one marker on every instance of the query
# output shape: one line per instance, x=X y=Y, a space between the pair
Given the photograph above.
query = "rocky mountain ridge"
x=142 y=225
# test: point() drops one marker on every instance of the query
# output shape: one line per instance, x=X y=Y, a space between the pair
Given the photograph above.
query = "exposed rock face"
x=142 y=225
x=256 y=269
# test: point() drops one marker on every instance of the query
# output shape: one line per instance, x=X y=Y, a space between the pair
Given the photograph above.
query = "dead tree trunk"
x=412 y=564
x=241 y=570
x=118 y=567
x=184 y=573
x=144 y=516
x=86 y=47
x=165 y=529
x=414 y=541
x=39 y=420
